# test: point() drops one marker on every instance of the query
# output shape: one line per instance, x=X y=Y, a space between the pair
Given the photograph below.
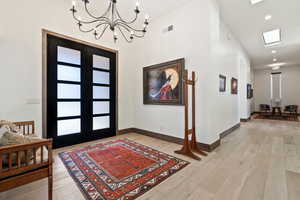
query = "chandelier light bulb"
x=73 y=3
x=131 y=33
x=137 y=4
x=268 y=17
x=147 y=17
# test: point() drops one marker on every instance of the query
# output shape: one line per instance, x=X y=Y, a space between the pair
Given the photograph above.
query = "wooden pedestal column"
x=190 y=146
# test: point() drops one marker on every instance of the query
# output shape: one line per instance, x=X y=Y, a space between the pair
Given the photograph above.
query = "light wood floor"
x=259 y=161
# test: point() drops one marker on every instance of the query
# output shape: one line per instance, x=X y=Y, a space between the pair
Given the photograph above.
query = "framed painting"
x=222 y=86
x=234 y=86
x=249 y=91
x=163 y=83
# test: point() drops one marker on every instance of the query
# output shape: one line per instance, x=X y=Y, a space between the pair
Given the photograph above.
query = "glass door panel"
x=69 y=126
x=68 y=55
x=101 y=123
x=68 y=73
x=68 y=109
x=68 y=91
x=100 y=92
x=100 y=62
x=101 y=77
x=101 y=107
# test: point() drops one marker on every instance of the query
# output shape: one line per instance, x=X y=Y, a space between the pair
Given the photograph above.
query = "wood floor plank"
x=276 y=188
x=293 y=185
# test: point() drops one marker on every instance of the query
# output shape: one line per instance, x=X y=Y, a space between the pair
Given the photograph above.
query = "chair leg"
x=50 y=187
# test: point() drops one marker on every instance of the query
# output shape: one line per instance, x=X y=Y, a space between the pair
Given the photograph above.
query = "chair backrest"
x=292 y=108
x=265 y=107
x=26 y=128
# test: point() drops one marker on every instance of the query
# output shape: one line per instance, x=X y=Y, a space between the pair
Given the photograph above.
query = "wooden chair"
x=265 y=109
x=20 y=164
x=292 y=110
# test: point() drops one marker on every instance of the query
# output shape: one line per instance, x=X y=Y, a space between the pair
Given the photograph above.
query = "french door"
x=81 y=92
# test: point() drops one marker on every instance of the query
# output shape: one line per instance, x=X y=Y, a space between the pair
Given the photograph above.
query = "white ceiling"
x=247 y=22
x=155 y=8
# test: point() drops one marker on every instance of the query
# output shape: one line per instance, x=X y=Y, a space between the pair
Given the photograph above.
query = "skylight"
x=255 y=1
x=272 y=37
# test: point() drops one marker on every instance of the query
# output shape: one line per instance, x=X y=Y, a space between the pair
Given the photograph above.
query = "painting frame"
x=234 y=86
x=179 y=64
x=222 y=84
x=249 y=91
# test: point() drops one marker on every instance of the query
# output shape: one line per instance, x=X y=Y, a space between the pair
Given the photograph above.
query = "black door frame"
x=47 y=33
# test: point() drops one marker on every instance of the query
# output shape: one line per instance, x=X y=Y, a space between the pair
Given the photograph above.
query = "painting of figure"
x=163 y=83
x=234 y=86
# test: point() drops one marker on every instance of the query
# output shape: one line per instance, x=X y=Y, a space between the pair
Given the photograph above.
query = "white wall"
x=290 y=88
x=21 y=57
x=202 y=39
x=199 y=36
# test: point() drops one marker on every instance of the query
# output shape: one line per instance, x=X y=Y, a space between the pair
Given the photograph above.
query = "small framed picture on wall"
x=234 y=86
x=249 y=91
x=222 y=87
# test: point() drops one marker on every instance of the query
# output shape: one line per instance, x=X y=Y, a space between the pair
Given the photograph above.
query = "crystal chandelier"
x=110 y=19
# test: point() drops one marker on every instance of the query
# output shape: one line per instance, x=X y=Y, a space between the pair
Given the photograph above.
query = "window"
x=276 y=89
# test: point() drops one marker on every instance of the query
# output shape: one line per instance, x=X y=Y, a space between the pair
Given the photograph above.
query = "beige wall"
x=290 y=86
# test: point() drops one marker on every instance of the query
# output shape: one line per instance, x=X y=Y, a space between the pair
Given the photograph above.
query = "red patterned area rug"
x=120 y=169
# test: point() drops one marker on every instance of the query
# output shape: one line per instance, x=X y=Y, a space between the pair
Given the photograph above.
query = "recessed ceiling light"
x=272 y=37
x=274 y=60
x=268 y=17
x=277 y=64
x=255 y=1
x=276 y=68
x=274 y=51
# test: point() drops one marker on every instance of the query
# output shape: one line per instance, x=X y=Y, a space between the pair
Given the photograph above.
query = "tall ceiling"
x=248 y=23
x=155 y=8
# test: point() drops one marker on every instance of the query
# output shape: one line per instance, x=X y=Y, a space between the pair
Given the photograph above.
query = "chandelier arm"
x=95 y=17
x=102 y=33
x=90 y=30
x=105 y=23
x=131 y=28
x=123 y=34
x=139 y=36
x=85 y=31
x=122 y=20
x=88 y=22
